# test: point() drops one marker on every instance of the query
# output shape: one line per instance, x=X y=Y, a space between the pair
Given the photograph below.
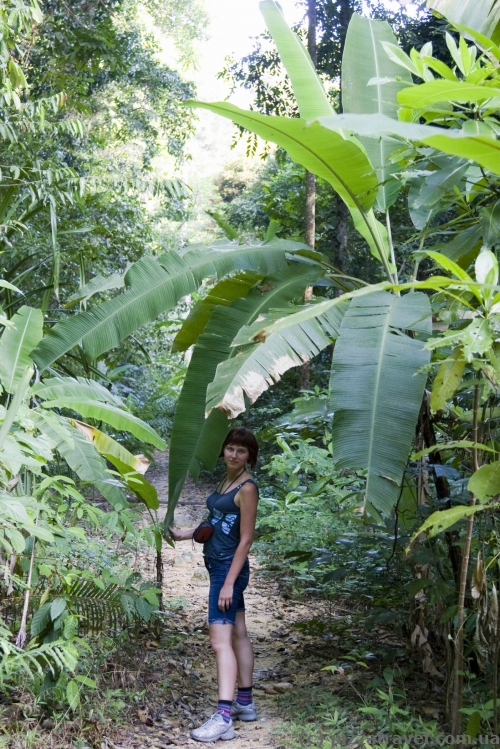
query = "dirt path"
x=179 y=668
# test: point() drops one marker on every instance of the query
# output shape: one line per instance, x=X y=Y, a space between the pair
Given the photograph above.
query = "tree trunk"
x=310 y=207
x=342 y=217
x=452 y=538
x=159 y=578
x=345 y=15
x=458 y=686
x=310 y=210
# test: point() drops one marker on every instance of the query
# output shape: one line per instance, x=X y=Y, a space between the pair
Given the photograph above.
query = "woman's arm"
x=182 y=535
x=248 y=498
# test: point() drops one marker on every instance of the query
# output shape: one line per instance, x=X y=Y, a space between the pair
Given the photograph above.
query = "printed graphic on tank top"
x=225 y=518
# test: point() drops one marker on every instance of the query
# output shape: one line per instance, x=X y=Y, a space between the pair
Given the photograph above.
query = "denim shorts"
x=218 y=569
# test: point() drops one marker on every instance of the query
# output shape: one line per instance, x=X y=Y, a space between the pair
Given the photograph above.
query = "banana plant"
x=286 y=337
x=370 y=84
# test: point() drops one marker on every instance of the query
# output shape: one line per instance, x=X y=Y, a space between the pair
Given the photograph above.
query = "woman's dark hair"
x=246 y=438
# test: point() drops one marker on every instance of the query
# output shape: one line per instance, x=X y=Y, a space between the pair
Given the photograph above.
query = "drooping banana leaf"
x=427 y=194
x=254 y=369
x=107 y=446
x=83 y=458
x=320 y=160
x=483 y=16
x=16 y=343
x=112 y=415
x=376 y=389
x=463 y=247
x=338 y=160
x=195 y=438
x=71 y=387
x=136 y=482
x=152 y=287
x=369 y=87
x=263 y=328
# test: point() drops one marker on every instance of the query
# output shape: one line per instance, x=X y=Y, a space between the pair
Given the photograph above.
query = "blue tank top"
x=225 y=518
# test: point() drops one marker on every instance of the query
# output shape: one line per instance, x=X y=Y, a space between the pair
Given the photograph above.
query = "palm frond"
x=100 y=609
x=35 y=659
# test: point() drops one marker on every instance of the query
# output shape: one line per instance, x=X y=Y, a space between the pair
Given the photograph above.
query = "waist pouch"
x=203 y=532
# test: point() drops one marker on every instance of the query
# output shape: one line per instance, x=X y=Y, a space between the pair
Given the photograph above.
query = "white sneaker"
x=244 y=712
x=214 y=728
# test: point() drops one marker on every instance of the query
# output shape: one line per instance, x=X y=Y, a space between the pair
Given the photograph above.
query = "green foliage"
x=67 y=205
x=311 y=532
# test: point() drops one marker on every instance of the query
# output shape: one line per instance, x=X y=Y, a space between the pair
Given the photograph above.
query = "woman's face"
x=236 y=456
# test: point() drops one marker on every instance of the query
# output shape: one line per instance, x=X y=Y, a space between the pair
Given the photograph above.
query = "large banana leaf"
x=152 y=287
x=279 y=320
x=427 y=195
x=485 y=150
x=136 y=482
x=79 y=387
x=212 y=347
x=195 y=438
x=482 y=16
x=365 y=92
x=223 y=293
x=307 y=87
x=376 y=389
x=17 y=341
x=112 y=415
x=340 y=162
x=254 y=369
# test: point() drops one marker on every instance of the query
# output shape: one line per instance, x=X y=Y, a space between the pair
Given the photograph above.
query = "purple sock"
x=224 y=708
x=244 y=696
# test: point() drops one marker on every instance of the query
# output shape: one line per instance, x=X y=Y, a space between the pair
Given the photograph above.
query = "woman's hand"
x=226 y=597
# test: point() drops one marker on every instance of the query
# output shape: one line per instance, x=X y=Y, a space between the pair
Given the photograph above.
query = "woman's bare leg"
x=220 y=640
x=242 y=647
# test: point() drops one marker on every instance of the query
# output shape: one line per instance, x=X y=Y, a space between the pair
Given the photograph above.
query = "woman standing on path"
x=233 y=510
